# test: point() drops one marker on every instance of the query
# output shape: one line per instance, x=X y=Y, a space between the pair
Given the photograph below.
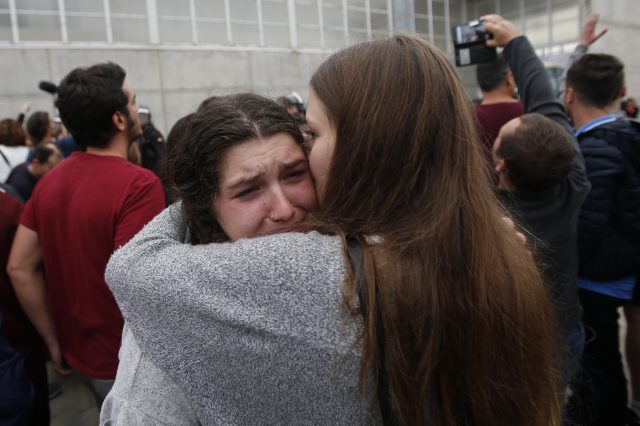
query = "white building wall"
x=172 y=79
x=171 y=82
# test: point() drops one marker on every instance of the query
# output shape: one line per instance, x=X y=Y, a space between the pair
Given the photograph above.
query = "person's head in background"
x=532 y=153
x=98 y=107
x=395 y=156
x=58 y=130
x=174 y=138
x=630 y=108
x=293 y=103
x=12 y=133
x=496 y=81
x=145 y=116
x=241 y=170
x=594 y=87
x=39 y=128
x=45 y=157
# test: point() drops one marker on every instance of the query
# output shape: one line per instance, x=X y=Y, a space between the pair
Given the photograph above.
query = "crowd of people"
x=385 y=254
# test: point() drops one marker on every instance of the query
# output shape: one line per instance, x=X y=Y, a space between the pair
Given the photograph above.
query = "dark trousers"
x=40 y=415
x=603 y=392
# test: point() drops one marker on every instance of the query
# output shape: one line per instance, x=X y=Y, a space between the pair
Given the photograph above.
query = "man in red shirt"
x=79 y=213
x=498 y=105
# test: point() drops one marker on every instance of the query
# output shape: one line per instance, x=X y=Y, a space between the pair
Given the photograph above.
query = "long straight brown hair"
x=469 y=331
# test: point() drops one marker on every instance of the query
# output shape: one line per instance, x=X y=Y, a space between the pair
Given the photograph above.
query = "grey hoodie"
x=253 y=332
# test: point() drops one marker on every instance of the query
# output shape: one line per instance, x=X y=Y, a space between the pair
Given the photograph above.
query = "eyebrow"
x=251 y=179
x=293 y=164
x=245 y=180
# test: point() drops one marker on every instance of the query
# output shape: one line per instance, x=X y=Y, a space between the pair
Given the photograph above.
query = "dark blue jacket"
x=609 y=223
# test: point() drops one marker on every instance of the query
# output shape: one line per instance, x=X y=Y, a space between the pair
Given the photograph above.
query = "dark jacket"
x=609 y=238
x=550 y=215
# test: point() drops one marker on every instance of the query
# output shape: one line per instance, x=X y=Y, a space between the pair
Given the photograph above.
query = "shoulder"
x=9 y=200
x=288 y=255
x=598 y=144
x=138 y=178
x=142 y=175
x=17 y=173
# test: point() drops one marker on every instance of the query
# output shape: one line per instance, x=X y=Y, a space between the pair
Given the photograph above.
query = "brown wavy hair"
x=193 y=168
x=12 y=133
x=469 y=331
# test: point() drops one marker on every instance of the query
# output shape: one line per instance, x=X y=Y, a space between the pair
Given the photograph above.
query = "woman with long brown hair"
x=445 y=317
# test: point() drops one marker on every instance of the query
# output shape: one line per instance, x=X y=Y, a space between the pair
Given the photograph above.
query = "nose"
x=281 y=208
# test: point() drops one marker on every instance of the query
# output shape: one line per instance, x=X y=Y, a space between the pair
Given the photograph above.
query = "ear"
x=119 y=120
x=623 y=92
x=501 y=166
x=569 y=95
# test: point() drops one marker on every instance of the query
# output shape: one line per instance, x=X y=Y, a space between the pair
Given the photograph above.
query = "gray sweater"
x=251 y=332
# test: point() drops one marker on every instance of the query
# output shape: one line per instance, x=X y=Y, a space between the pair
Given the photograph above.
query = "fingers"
x=600 y=34
x=63 y=371
x=492 y=17
x=592 y=19
x=503 y=30
x=512 y=226
x=491 y=42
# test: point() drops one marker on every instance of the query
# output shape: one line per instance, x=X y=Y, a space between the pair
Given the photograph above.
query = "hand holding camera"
x=476 y=42
x=503 y=31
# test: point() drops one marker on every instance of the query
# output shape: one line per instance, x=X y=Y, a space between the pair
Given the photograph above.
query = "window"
x=85 y=21
x=275 y=23
x=174 y=22
x=211 y=22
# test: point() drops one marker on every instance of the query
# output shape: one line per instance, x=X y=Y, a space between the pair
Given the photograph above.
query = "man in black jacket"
x=609 y=225
x=543 y=180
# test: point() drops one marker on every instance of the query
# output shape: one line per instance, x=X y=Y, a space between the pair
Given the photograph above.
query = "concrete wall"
x=171 y=83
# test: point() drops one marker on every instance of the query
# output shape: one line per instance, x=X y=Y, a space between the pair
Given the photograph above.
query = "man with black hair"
x=39 y=128
x=24 y=177
x=498 y=105
x=79 y=213
x=609 y=226
x=542 y=181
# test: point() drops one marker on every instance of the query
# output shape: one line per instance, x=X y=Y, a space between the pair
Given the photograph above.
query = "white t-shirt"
x=10 y=157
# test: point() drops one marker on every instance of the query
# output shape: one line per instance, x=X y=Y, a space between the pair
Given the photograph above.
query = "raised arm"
x=588 y=36
x=534 y=85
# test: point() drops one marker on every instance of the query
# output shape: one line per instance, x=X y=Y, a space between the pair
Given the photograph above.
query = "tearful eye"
x=297 y=174
x=247 y=192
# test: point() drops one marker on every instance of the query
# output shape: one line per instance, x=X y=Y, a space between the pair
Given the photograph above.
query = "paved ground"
x=76 y=405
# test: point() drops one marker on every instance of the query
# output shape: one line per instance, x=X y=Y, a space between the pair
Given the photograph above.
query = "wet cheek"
x=304 y=195
x=255 y=215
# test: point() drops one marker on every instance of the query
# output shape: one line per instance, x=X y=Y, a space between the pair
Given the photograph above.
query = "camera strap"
x=6 y=160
